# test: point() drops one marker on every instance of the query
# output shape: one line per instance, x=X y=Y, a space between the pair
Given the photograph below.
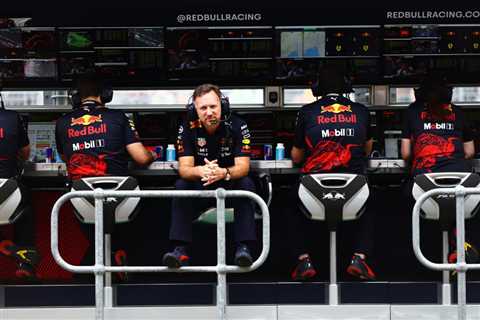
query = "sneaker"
x=243 y=258
x=120 y=259
x=471 y=256
x=304 y=270
x=25 y=271
x=359 y=268
x=27 y=259
x=177 y=258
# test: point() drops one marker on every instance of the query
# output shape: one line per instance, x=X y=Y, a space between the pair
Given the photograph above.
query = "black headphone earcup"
x=191 y=112
x=315 y=89
x=107 y=94
x=225 y=104
x=450 y=94
x=75 y=99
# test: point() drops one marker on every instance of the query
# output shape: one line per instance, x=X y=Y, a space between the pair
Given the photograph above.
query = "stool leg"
x=108 y=275
x=446 y=286
x=332 y=287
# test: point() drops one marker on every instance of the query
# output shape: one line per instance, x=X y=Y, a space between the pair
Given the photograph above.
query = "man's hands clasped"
x=211 y=172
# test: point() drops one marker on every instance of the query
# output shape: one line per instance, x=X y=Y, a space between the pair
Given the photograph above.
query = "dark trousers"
x=296 y=221
x=185 y=210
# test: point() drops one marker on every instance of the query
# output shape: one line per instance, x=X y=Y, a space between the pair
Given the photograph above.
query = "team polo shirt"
x=333 y=131
x=230 y=140
x=93 y=141
x=13 y=137
x=437 y=144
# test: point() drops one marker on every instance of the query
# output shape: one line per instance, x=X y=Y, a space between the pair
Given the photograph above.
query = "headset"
x=106 y=95
x=224 y=103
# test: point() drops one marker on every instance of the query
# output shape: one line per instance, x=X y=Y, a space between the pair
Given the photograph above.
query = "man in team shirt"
x=332 y=136
x=96 y=141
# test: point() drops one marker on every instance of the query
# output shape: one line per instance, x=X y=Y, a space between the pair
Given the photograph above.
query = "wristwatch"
x=227 y=175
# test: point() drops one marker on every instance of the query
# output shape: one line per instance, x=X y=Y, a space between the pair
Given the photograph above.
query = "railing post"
x=461 y=266
x=99 y=256
x=221 y=261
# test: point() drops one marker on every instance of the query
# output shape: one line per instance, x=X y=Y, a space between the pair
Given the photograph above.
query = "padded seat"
x=12 y=204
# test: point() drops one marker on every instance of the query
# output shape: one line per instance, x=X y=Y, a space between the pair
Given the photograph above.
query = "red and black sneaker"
x=359 y=268
x=120 y=258
x=177 y=258
x=25 y=271
x=304 y=269
x=471 y=255
x=27 y=258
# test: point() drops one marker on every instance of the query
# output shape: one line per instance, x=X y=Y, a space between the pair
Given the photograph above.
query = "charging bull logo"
x=336 y=108
x=84 y=165
x=327 y=155
x=429 y=147
x=86 y=120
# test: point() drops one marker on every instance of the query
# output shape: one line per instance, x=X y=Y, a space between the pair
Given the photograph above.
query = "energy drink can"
x=267 y=152
x=48 y=155
x=159 y=152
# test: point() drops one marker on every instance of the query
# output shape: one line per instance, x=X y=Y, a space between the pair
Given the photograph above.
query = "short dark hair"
x=89 y=85
x=206 y=88
x=332 y=80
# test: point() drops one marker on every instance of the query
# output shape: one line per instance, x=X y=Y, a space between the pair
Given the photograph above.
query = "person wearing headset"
x=213 y=151
x=15 y=147
x=94 y=140
x=332 y=135
x=437 y=138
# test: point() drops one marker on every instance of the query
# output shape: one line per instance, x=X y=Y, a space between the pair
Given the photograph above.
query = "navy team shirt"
x=13 y=137
x=224 y=144
x=437 y=144
x=93 y=141
x=333 y=131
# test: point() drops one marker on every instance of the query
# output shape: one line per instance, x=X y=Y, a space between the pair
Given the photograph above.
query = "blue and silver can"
x=267 y=152
x=159 y=152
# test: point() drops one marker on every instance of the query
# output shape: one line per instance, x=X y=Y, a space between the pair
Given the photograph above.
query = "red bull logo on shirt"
x=86 y=131
x=86 y=120
x=336 y=108
x=337 y=118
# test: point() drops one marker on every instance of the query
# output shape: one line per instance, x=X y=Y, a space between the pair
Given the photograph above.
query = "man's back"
x=93 y=141
x=333 y=131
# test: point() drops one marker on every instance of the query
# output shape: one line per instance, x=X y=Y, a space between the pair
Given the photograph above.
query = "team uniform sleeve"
x=242 y=139
x=184 y=141
x=129 y=131
x=22 y=133
x=299 y=140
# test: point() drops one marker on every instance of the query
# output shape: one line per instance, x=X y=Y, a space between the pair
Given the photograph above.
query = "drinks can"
x=49 y=155
x=159 y=152
x=267 y=152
